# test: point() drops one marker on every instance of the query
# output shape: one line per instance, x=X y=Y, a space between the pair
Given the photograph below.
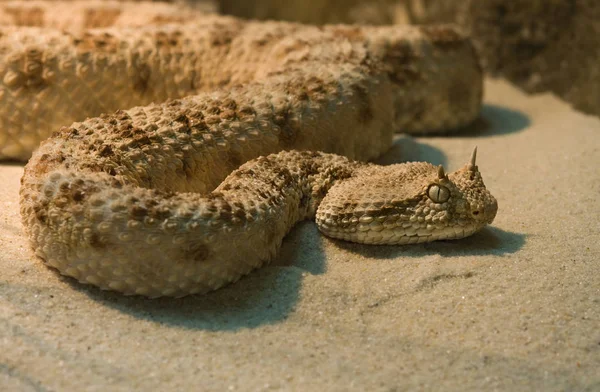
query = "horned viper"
x=189 y=193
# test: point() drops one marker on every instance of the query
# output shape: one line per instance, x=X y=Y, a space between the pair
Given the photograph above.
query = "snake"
x=193 y=148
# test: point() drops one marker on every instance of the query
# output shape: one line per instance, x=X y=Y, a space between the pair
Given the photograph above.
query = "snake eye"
x=438 y=193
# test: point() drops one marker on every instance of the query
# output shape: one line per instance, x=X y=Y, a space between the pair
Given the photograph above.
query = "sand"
x=514 y=307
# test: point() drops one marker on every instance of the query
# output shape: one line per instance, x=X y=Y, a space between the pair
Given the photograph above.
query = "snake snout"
x=485 y=213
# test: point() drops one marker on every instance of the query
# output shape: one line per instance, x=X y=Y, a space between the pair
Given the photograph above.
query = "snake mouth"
x=449 y=233
x=455 y=233
x=402 y=237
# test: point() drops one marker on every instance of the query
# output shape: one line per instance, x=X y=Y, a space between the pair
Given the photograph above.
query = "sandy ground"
x=514 y=307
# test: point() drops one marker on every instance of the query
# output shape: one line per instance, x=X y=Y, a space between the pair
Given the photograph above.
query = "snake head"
x=474 y=203
x=407 y=203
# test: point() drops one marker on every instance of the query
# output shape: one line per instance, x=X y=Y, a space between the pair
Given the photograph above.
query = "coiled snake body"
x=153 y=201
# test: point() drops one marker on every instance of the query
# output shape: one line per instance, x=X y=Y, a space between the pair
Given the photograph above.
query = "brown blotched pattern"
x=78 y=15
x=117 y=234
x=50 y=78
x=138 y=200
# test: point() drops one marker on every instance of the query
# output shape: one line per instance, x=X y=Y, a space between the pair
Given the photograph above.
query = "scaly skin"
x=50 y=78
x=127 y=201
x=79 y=15
x=117 y=235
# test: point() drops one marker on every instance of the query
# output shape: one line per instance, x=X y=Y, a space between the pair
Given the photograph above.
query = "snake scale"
x=218 y=135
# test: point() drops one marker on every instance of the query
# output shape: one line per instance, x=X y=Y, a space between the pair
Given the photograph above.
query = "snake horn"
x=441 y=173
x=473 y=158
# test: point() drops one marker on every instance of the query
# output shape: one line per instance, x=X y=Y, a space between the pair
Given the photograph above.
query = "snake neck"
x=292 y=182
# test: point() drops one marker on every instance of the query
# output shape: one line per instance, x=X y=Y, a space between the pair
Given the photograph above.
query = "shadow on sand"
x=408 y=149
x=269 y=295
x=495 y=120
x=265 y=296
x=488 y=241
